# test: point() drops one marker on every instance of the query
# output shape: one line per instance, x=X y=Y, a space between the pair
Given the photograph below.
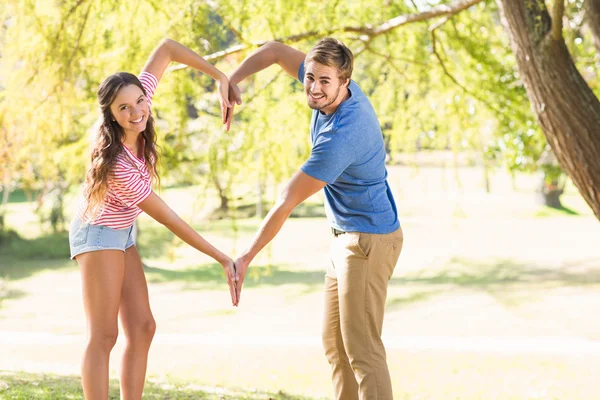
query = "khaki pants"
x=355 y=292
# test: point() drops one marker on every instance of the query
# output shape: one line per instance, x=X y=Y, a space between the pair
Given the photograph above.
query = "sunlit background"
x=495 y=295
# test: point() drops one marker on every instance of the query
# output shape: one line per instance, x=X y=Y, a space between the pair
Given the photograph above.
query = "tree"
x=567 y=109
x=592 y=16
x=438 y=75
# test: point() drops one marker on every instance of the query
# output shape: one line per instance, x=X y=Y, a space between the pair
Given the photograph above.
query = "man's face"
x=323 y=89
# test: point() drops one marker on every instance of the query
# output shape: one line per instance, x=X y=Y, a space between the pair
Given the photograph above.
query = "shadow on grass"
x=473 y=273
x=396 y=302
x=21 y=258
x=248 y=210
x=556 y=211
x=213 y=275
x=9 y=294
x=18 y=196
x=21 y=385
x=509 y=281
x=309 y=210
x=155 y=241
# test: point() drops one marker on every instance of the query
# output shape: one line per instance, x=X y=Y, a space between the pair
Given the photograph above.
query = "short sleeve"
x=329 y=157
x=149 y=83
x=301 y=72
x=130 y=187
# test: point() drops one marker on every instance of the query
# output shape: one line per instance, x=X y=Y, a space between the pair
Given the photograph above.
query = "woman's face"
x=130 y=109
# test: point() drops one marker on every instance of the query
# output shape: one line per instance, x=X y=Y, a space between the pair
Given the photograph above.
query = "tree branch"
x=256 y=93
x=389 y=58
x=557 y=18
x=444 y=10
x=432 y=29
x=76 y=47
x=235 y=32
x=66 y=18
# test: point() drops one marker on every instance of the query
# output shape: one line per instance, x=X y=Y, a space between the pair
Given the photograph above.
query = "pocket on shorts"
x=79 y=233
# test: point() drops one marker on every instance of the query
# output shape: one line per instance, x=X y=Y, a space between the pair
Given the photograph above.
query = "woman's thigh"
x=102 y=274
x=135 y=310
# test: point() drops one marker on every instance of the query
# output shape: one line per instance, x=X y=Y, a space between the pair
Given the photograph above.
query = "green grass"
x=19 y=196
x=21 y=258
x=48 y=247
x=473 y=265
x=25 y=386
x=546 y=212
x=212 y=276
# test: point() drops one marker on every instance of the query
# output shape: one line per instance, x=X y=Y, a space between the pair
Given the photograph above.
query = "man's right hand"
x=235 y=97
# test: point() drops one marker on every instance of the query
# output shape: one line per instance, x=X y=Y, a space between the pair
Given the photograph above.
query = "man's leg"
x=344 y=384
x=364 y=266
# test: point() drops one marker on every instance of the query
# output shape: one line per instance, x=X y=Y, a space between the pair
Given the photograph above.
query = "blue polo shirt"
x=348 y=154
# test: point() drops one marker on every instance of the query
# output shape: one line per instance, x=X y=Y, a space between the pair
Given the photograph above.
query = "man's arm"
x=268 y=54
x=299 y=188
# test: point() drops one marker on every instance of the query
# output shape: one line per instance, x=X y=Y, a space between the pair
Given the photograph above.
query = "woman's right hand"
x=229 y=268
x=224 y=97
x=235 y=97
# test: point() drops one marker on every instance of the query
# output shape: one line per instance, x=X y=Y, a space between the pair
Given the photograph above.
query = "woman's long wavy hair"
x=109 y=144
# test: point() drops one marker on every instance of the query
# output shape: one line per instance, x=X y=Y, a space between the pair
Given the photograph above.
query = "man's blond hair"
x=333 y=53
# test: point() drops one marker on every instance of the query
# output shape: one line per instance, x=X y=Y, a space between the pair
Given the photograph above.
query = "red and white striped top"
x=130 y=183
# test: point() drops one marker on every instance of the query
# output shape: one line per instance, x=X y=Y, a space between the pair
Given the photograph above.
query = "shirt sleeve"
x=149 y=83
x=329 y=157
x=301 y=72
x=130 y=187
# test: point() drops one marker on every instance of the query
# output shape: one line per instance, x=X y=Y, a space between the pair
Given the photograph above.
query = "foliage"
x=453 y=87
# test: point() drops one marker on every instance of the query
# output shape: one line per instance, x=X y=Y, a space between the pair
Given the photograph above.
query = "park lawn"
x=473 y=266
x=416 y=375
x=27 y=386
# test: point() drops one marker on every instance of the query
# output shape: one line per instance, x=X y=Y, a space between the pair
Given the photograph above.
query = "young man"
x=347 y=161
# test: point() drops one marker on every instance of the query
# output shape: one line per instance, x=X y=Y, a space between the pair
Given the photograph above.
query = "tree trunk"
x=566 y=108
x=550 y=190
x=592 y=16
x=224 y=206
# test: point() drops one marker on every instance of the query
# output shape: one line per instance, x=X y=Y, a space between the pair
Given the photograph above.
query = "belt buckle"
x=337 y=232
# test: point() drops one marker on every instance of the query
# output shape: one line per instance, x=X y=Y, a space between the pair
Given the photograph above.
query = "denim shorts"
x=84 y=237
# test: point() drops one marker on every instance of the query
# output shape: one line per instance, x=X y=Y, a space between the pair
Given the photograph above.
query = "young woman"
x=118 y=188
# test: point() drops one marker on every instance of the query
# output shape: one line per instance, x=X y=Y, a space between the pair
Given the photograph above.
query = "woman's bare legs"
x=138 y=326
x=102 y=280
